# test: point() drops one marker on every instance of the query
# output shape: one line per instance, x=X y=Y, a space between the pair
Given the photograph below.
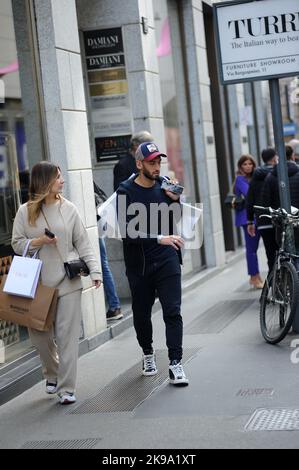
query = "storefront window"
x=14 y=170
x=168 y=90
x=175 y=107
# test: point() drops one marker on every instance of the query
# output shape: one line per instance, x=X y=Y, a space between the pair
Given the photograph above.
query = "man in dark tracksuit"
x=254 y=197
x=153 y=258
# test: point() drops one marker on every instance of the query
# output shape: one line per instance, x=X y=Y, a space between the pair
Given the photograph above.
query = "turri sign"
x=257 y=39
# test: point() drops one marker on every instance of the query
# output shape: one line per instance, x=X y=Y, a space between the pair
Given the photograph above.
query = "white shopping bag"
x=108 y=222
x=23 y=275
x=190 y=226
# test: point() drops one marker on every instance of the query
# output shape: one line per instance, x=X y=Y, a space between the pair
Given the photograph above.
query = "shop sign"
x=103 y=41
x=290 y=128
x=257 y=40
x=108 y=91
x=107 y=147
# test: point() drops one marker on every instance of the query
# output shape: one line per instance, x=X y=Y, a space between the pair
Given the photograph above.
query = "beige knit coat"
x=73 y=242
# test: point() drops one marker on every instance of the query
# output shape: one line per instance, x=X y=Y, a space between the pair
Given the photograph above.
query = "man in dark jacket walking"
x=255 y=198
x=152 y=256
x=271 y=189
x=127 y=165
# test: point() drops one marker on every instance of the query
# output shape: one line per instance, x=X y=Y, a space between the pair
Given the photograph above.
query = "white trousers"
x=59 y=356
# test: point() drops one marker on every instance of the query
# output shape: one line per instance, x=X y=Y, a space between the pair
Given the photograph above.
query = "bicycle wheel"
x=279 y=303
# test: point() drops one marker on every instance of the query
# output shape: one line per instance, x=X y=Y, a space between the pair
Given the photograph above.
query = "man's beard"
x=148 y=175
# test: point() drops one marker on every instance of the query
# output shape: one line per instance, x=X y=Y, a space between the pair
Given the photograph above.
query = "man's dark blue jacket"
x=144 y=249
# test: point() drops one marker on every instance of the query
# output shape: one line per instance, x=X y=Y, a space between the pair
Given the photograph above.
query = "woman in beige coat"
x=47 y=208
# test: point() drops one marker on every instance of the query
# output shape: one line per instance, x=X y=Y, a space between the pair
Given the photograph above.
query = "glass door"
x=9 y=188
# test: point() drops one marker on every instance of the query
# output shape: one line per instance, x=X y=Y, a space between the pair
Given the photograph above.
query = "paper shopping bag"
x=23 y=276
x=190 y=225
x=38 y=313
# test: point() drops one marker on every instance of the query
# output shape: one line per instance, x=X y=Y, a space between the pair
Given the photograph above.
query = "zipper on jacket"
x=143 y=270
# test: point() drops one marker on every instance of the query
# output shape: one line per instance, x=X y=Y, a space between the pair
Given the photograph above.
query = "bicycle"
x=280 y=293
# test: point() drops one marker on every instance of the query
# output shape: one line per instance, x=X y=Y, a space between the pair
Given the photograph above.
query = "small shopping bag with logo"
x=23 y=275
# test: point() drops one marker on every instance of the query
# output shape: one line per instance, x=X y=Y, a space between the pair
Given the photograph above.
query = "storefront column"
x=203 y=133
x=252 y=131
x=142 y=74
x=66 y=124
x=35 y=143
x=232 y=110
x=261 y=113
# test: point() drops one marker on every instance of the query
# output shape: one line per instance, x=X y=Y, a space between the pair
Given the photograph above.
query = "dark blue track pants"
x=162 y=278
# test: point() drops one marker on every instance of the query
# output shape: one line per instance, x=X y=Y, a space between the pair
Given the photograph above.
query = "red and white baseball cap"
x=148 y=151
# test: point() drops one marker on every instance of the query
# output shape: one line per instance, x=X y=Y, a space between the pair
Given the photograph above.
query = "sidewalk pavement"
x=241 y=389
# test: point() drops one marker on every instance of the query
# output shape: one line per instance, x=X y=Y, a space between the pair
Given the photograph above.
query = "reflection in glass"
x=168 y=90
x=14 y=171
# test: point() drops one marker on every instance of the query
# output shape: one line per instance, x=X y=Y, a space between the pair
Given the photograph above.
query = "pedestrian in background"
x=246 y=166
x=127 y=165
x=290 y=153
x=114 y=309
x=271 y=189
x=47 y=208
x=294 y=143
x=255 y=198
x=153 y=262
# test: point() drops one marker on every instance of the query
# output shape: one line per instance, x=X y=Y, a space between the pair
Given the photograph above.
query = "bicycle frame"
x=280 y=218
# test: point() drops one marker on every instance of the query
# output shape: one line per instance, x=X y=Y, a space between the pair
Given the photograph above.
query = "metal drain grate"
x=216 y=318
x=274 y=420
x=131 y=388
x=64 y=444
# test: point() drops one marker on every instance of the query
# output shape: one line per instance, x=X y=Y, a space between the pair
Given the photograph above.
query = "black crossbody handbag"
x=235 y=202
x=75 y=267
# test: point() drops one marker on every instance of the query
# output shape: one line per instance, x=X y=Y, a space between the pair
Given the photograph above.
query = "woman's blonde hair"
x=43 y=175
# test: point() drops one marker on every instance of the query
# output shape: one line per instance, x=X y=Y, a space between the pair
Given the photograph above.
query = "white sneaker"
x=177 y=375
x=149 y=364
x=51 y=387
x=66 y=398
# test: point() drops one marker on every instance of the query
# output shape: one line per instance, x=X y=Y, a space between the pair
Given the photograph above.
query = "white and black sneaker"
x=177 y=375
x=149 y=364
x=66 y=398
x=51 y=387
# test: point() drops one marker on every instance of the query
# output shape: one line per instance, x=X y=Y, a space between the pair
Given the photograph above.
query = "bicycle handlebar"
x=280 y=213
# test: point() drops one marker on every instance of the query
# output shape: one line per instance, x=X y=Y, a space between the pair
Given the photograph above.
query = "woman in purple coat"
x=246 y=167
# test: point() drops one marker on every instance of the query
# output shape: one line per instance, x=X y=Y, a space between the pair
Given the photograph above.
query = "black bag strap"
x=51 y=231
x=99 y=192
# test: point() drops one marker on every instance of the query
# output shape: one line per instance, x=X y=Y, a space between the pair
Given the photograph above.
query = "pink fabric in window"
x=164 y=47
x=14 y=67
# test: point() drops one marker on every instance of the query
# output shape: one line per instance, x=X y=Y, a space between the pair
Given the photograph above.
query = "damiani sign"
x=257 y=40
